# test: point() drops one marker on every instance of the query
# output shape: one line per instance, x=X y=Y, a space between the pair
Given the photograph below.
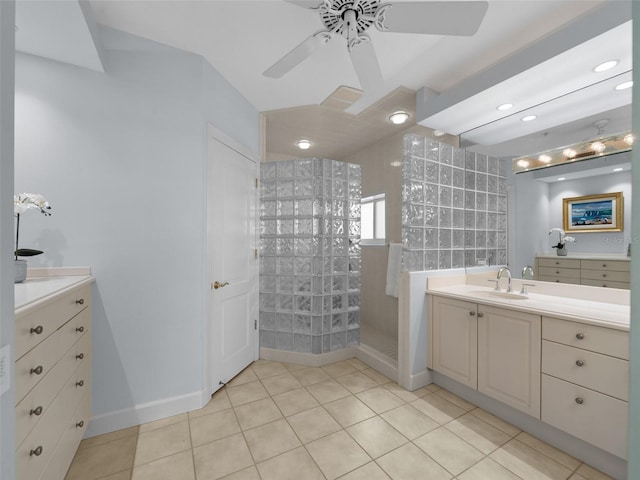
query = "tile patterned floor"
x=278 y=421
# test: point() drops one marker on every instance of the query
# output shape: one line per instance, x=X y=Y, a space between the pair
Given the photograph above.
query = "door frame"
x=207 y=357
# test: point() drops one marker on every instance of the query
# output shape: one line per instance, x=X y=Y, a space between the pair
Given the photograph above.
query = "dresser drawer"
x=605 y=284
x=559 y=262
x=37 y=325
x=605 y=275
x=573 y=280
x=36 y=365
x=589 y=337
x=598 y=372
x=598 y=419
x=606 y=265
x=559 y=272
x=76 y=426
x=31 y=409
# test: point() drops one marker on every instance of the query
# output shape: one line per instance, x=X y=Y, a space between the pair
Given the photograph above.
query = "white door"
x=232 y=266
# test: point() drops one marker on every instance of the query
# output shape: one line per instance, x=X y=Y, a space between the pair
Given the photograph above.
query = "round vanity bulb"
x=544 y=158
x=598 y=147
x=569 y=153
x=522 y=163
x=629 y=139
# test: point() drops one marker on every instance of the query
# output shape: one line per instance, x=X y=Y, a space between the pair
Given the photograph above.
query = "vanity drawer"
x=606 y=275
x=591 y=416
x=573 y=280
x=559 y=262
x=589 y=337
x=608 y=375
x=40 y=398
x=605 y=283
x=606 y=265
x=45 y=355
x=36 y=326
x=559 y=272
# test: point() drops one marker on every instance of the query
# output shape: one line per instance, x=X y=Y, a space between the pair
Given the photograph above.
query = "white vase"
x=20 y=270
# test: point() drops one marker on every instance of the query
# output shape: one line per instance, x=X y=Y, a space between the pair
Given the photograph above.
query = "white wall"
x=607 y=242
x=121 y=158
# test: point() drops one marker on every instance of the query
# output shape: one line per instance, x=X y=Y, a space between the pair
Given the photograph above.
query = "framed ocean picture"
x=593 y=213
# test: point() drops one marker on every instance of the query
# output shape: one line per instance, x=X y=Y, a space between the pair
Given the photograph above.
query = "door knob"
x=217 y=284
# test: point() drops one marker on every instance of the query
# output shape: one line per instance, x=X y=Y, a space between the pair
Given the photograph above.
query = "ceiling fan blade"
x=365 y=62
x=313 y=4
x=435 y=18
x=298 y=54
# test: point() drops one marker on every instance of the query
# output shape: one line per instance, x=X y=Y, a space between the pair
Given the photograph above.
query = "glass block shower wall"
x=309 y=255
x=454 y=207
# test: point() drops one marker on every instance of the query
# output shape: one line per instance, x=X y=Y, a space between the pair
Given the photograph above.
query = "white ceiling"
x=241 y=38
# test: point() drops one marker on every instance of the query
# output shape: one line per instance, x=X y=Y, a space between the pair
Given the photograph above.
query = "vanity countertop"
x=585 y=256
x=605 y=314
x=36 y=290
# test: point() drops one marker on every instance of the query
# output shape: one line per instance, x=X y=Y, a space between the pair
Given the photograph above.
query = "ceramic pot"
x=20 y=271
x=562 y=251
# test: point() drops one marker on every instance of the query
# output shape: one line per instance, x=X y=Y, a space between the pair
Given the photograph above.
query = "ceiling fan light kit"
x=351 y=19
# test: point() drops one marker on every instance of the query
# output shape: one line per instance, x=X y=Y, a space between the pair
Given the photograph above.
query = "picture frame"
x=593 y=213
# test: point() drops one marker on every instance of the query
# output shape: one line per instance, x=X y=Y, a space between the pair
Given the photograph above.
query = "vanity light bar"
x=621 y=142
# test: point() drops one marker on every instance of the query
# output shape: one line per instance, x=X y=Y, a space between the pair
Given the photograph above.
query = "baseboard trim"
x=307 y=359
x=419 y=380
x=378 y=361
x=145 y=412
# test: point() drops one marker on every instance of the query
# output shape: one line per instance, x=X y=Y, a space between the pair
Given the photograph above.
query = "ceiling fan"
x=352 y=18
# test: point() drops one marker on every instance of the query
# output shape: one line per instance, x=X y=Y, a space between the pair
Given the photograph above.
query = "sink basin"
x=505 y=295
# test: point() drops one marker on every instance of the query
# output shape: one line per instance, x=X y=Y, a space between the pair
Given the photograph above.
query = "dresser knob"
x=557 y=272
x=80 y=329
x=38 y=330
x=604 y=275
x=36 y=411
x=579 y=363
x=472 y=313
x=36 y=451
x=80 y=302
x=579 y=401
x=580 y=336
x=604 y=265
x=37 y=370
x=557 y=263
x=80 y=356
x=480 y=314
x=80 y=383
x=80 y=424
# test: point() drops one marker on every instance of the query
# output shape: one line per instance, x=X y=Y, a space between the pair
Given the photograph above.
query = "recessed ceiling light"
x=619 y=169
x=561 y=179
x=528 y=118
x=303 y=144
x=399 y=117
x=505 y=106
x=603 y=67
x=624 y=85
x=438 y=133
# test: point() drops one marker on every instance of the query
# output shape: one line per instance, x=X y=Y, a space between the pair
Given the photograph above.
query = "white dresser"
x=612 y=271
x=52 y=373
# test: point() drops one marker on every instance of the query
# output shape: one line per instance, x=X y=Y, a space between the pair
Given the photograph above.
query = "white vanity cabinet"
x=585 y=382
x=493 y=350
x=53 y=380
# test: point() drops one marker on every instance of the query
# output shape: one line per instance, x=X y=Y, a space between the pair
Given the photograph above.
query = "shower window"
x=373 y=229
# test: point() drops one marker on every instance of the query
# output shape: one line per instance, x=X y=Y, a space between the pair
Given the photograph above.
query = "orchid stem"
x=17 y=235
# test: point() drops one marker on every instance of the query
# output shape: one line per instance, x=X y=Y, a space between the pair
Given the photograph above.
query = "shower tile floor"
x=345 y=420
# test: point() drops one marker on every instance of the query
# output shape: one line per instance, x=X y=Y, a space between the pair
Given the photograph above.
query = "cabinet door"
x=509 y=357
x=454 y=341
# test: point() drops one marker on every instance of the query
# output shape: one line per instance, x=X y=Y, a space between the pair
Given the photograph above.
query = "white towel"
x=393 y=269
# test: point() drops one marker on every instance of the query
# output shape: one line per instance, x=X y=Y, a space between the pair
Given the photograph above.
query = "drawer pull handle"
x=80 y=356
x=580 y=336
x=36 y=451
x=579 y=401
x=38 y=330
x=80 y=302
x=557 y=263
x=604 y=275
x=480 y=314
x=604 y=265
x=473 y=314
x=80 y=329
x=557 y=272
x=80 y=383
x=579 y=363
x=36 y=411
x=80 y=424
x=37 y=370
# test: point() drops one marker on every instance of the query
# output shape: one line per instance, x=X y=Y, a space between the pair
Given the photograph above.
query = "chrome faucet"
x=500 y=272
x=527 y=272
